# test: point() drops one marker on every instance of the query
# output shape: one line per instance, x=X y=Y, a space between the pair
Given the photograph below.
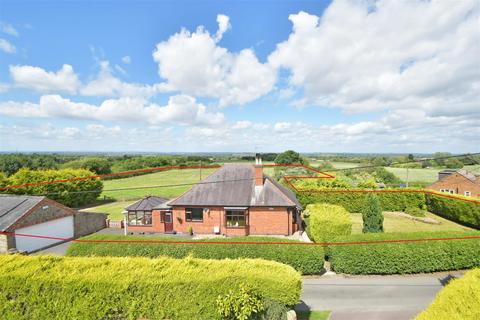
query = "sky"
x=240 y=76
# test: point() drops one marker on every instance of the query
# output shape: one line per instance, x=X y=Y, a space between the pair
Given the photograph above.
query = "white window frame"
x=467 y=194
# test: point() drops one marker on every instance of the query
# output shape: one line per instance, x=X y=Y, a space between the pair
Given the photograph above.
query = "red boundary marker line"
x=286 y=178
x=241 y=242
x=100 y=176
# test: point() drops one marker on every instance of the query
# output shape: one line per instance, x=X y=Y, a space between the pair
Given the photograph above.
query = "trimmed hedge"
x=47 y=287
x=405 y=257
x=459 y=300
x=355 y=201
x=463 y=212
x=305 y=259
x=327 y=221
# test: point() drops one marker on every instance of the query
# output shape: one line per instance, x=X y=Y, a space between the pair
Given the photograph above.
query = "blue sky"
x=314 y=76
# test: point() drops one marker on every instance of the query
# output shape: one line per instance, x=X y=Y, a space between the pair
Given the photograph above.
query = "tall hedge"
x=355 y=201
x=72 y=193
x=463 y=212
x=47 y=287
x=327 y=221
x=459 y=300
x=305 y=259
x=405 y=257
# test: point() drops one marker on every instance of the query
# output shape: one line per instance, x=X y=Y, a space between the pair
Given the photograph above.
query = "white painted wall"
x=61 y=228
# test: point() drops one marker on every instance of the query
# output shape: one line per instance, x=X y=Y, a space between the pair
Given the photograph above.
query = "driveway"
x=372 y=297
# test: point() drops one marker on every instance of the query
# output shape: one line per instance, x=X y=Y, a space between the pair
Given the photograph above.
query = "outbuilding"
x=49 y=222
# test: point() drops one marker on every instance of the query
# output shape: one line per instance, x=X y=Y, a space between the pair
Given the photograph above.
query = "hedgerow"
x=47 y=287
x=405 y=257
x=459 y=300
x=327 y=221
x=463 y=212
x=305 y=259
x=355 y=201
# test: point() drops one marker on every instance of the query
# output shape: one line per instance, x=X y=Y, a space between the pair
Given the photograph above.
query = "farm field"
x=171 y=177
x=393 y=223
x=429 y=175
x=114 y=209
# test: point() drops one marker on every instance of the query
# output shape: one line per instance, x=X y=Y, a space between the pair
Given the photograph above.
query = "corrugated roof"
x=234 y=185
x=148 y=203
x=14 y=207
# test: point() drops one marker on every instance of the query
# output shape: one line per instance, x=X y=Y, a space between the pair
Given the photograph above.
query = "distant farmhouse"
x=459 y=182
x=237 y=199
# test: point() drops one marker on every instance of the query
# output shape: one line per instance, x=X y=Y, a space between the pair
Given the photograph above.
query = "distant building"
x=459 y=182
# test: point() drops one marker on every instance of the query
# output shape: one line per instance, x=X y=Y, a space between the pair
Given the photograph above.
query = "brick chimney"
x=258 y=170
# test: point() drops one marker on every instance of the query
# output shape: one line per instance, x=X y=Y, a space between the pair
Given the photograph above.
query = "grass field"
x=429 y=175
x=114 y=209
x=393 y=223
x=165 y=178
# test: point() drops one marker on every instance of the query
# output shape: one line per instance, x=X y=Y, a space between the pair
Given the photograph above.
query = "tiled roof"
x=13 y=208
x=148 y=203
x=234 y=185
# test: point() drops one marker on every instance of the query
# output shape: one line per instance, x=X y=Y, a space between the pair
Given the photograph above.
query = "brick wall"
x=266 y=221
x=88 y=222
x=157 y=226
x=458 y=183
x=262 y=221
x=44 y=211
x=214 y=218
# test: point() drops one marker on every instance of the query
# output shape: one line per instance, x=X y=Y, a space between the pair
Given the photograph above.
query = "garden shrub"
x=326 y=222
x=372 y=215
x=466 y=213
x=354 y=201
x=240 y=304
x=459 y=300
x=47 y=287
x=305 y=259
x=405 y=257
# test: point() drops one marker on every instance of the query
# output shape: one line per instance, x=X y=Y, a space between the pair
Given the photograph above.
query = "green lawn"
x=313 y=315
x=393 y=223
x=344 y=165
x=171 y=177
x=114 y=209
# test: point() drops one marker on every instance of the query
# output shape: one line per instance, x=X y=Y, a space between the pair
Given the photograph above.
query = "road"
x=372 y=297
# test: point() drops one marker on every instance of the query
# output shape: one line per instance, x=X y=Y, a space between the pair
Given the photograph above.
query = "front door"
x=168 y=221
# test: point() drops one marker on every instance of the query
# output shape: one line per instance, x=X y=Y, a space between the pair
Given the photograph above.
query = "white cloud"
x=241 y=125
x=7 y=47
x=364 y=56
x=105 y=84
x=8 y=29
x=193 y=63
x=180 y=110
x=126 y=59
x=64 y=80
x=223 y=26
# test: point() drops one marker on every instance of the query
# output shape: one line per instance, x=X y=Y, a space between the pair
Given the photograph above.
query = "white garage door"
x=60 y=228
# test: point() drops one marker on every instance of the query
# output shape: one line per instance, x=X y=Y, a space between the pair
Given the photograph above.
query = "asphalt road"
x=372 y=297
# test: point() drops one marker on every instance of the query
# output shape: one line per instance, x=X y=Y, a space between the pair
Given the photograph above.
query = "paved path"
x=372 y=297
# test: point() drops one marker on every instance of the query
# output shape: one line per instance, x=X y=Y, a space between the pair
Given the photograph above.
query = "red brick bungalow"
x=236 y=199
x=457 y=182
